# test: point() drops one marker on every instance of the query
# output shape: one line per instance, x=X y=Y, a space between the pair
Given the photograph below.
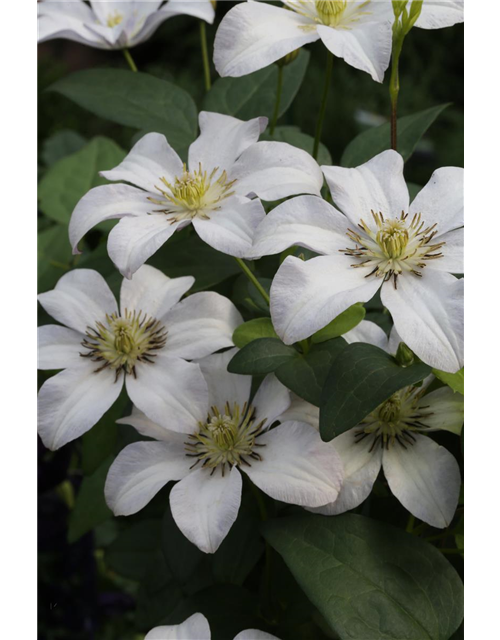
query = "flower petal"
x=147 y=427
x=446 y=410
x=140 y=470
x=301 y=411
x=453 y=252
x=271 y=401
x=71 y=402
x=171 y=392
x=361 y=468
x=194 y=628
x=305 y=221
x=224 y=386
x=200 y=325
x=437 y=14
x=205 y=507
x=253 y=634
x=441 y=201
x=231 y=229
x=152 y=292
x=150 y=159
x=368 y=332
x=202 y=9
x=222 y=140
x=306 y=296
x=134 y=240
x=253 y=35
x=297 y=467
x=428 y=314
x=58 y=347
x=275 y=170
x=67 y=20
x=80 y=299
x=425 y=478
x=108 y=202
x=377 y=185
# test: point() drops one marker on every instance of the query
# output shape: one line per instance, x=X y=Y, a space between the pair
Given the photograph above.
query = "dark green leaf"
x=254 y=95
x=295 y=137
x=455 y=381
x=261 y=356
x=54 y=256
x=136 y=550
x=372 y=142
x=90 y=507
x=305 y=375
x=369 y=579
x=69 y=179
x=60 y=145
x=135 y=100
x=181 y=555
x=343 y=323
x=252 y=330
x=361 y=378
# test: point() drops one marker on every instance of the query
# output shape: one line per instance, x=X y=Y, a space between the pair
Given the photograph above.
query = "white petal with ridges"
x=224 y=386
x=446 y=410
x=368 y=332
x=453 y=252
x=194 y=628
x=147 y=427
x=441 y=201
x=254 y=634
x=437 y=14
x=58 y=347
x=271 y=401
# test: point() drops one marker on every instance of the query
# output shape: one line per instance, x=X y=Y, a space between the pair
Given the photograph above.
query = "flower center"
x=114 y=19
x=122 y=341
x=330 y=11
x=395 y=419
x=194 y=193
x=227 y=437
x=396 y=246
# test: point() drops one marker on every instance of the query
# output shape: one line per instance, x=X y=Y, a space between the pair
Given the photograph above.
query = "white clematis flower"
x=143 y=343
x=197 y=628
x=226 y=167
x=255 y=34
x=113 y=25
x=437 y=14
x=289 y=462
x=380 y=240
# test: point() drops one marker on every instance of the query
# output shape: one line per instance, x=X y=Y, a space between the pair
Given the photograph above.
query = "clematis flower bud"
x=405 y=355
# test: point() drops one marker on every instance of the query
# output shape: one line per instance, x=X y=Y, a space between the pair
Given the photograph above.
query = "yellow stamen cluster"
x=121 y=342
x=395 y=420
x=330 y=11
x=194 y=193
x=395 y=246
x=227 y=437
x=114 y=19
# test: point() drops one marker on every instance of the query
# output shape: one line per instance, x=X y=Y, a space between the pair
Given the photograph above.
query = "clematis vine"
x=215 y=191
x=197 y=628
x=253 y=35
x=379 y=241
x=113 y=25
x=229 y=433
x=144 y=343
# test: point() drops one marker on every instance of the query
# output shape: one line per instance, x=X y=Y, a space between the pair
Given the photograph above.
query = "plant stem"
x=204 y=53
x=278 y=99
x=130 y=60
x=411 y=524
x=253 y=280
x=324 y=100
x=394 y=90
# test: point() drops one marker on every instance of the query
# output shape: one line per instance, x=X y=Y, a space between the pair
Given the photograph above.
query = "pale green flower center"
x=114 y=19
x=120 y=342
x=395 y=420
x=394 y=247
x=330 y=11
x=194 y=194
x=227 y=437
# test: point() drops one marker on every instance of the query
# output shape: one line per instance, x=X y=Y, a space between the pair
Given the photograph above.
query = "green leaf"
x=372 y=142
x=369 y=579
x=135 y=100
x=361 y=378
x=252 y=330
x=454 y=380
x=61 y=144
x=343 y=323
x=136 y=549
x=90 y=507
x=294 y=136
x=69 y=179
x=305 y=375
x=261 y=356
x=54 y=256
x=181 y=555
x=254 y=95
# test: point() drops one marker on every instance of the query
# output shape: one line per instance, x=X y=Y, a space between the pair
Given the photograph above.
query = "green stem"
x=204 y=53
x=278 y=99
x=253 y=280
x=411 y=524
x=324 y=100
x=130 y=60
x=394 y=90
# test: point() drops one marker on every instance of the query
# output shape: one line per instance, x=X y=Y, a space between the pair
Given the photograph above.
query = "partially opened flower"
x=143 y=343
x=253 y=35
x=380 y=241
x=112 y=25
x=231 y=434
x=197 y=628
x=226 y=167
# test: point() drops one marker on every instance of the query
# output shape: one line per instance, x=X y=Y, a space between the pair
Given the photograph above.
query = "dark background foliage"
x=95 y=582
